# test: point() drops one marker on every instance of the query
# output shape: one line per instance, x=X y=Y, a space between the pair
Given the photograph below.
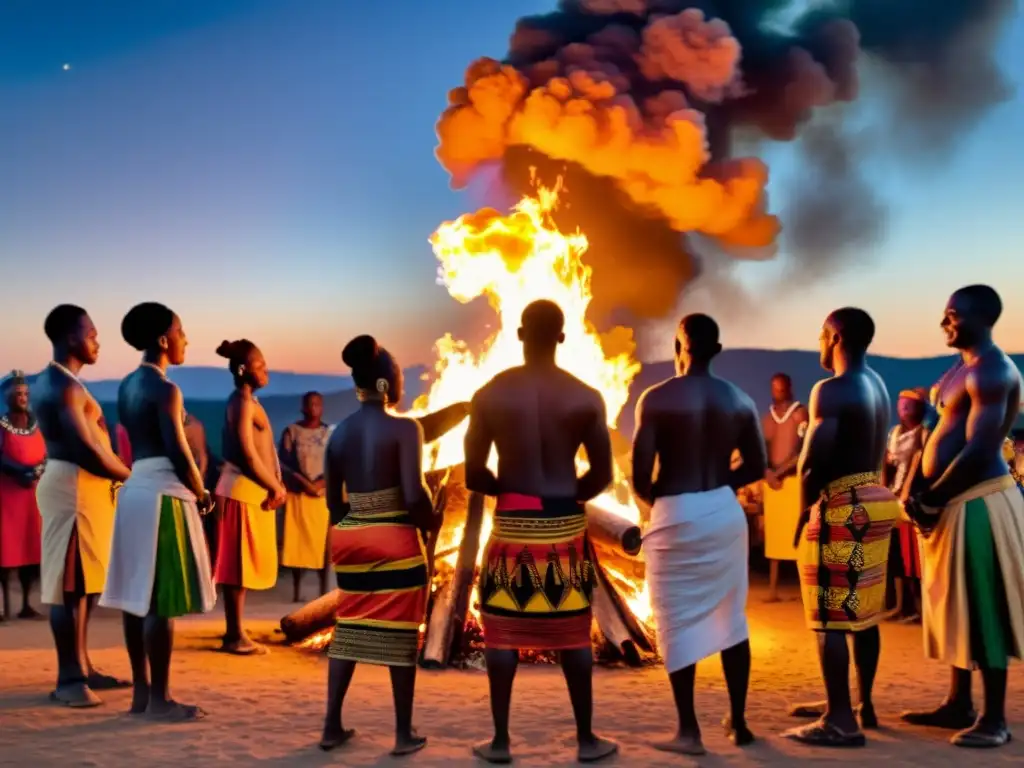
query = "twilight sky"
x=266 y=169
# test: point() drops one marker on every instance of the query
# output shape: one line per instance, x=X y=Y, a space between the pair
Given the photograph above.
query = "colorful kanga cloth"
x=20 y=526
x=972 y=589
x=844 y=554
x=77 y=512
x=158 y=561
x=381 y=568
x=246 y=533
x=537 y=576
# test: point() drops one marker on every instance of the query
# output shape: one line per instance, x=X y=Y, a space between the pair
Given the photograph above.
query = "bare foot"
x=100 y=681
x=740 y=734
x=30 y=613
x=409 y=743
x=76 y=696
x=595 y=748
x=335 y=737
x=173 y=712
x=772 y=599
x=493 y=752
x=140 y=701
x=683 y=744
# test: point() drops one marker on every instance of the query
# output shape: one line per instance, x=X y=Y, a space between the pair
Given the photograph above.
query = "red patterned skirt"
x=537 y=576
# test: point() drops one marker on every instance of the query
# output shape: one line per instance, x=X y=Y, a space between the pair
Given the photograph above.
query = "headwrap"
x=16 y=378
x=917 y=393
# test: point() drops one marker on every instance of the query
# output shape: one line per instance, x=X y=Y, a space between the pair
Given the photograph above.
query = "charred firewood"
x=312 y=617
x=612 y=530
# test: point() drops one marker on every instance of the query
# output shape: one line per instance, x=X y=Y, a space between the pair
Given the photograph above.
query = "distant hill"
x=750 y=369
x=210 y=383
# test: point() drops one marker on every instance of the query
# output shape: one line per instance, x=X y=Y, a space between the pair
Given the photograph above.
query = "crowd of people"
x=932 y=499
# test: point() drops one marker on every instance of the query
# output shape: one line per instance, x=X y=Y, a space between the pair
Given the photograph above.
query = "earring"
x=241 y=370
x=382 y=386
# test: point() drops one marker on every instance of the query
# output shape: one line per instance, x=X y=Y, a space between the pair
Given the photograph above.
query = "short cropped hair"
x=62 y=321
x=984 y=301
x=855 y=327
x=703 y=333
x=543 y=321
x=784 y=378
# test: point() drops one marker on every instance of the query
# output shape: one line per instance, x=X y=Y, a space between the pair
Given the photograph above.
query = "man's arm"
x=10 y=467
x=751 y=445
x=95 y=456
x=257 y=470
x=477 y=448
x=988 y=390
x=172 y=433
x=820 y=443
x=597 y=442
x=644 y=450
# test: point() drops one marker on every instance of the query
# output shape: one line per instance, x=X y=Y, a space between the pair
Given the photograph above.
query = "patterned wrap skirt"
x=381 y=567
x=844 y=554
x=537 y=577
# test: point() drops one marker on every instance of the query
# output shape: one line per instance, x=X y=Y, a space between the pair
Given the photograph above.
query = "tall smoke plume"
x=637 y=105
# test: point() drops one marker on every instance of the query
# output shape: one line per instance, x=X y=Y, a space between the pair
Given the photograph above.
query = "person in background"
x=375 y=458
x=159 y=565
x=844 y=533
x=248 y=494
x=784 y=427
x=696 y=544
x=306 y=517
x=537 y=573
x=76 y=496
x=902 y=461
x=971 y=514
x=22 y=460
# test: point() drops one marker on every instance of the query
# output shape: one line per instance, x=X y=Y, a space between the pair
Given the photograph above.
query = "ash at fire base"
x=637 y=105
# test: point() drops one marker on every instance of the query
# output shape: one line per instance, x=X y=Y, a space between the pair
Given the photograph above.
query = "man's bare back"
x=852 y=411
x=538 y=417
x=695 y=423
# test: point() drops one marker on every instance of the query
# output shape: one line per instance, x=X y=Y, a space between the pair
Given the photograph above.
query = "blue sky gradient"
x=266 y=169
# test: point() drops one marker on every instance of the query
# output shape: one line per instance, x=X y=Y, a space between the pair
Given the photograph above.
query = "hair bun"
x=360 y=352
x=226 y=348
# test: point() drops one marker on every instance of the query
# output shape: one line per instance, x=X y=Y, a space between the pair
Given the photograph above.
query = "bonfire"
x=513 y=259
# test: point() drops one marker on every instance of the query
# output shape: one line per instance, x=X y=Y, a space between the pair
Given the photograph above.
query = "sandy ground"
x=269 y=710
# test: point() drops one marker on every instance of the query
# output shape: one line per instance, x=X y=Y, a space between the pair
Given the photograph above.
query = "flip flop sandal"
x=823 y=734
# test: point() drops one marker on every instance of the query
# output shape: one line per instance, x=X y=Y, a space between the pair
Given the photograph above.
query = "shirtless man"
x=249 y=489
x=696 y=544
x=159 y=564
x=537 y=416
x=972 y=514
x=76 y=501
x=847 y=504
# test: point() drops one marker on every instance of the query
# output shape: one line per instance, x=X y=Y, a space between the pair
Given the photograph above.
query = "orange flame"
x=513 y=260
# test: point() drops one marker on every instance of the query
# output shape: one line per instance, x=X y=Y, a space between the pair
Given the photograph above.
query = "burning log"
x=451 y=602
x=439 y=423
x=312 y=617
x=613 y=531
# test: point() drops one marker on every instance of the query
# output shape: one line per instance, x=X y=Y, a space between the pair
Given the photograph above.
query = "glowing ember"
x=317 y=641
